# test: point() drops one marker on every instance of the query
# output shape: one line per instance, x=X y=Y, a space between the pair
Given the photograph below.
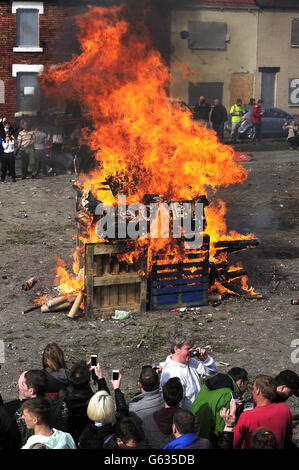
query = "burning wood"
x=76 y=305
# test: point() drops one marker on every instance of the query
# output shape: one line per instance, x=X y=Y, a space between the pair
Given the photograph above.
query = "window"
x=27 y=92
x=2 y=92
x=27 y=28
x=210 y=90
x=27 y=25
x=295 y=33
x=207 y=35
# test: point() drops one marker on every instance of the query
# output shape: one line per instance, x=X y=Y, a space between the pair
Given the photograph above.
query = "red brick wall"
x=51 y=25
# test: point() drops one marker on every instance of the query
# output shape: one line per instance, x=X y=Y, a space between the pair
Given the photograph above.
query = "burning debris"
x=149 y=154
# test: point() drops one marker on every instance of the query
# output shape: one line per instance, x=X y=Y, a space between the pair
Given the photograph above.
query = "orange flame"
x=141 y=141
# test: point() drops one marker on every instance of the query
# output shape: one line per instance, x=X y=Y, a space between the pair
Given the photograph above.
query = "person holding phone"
x=215 y=394
x=188 y=365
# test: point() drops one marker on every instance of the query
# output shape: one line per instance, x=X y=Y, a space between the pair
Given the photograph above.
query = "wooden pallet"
x=111 y=284
x=183 y=283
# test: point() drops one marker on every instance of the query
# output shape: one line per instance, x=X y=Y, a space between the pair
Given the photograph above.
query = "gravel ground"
x=255 y=334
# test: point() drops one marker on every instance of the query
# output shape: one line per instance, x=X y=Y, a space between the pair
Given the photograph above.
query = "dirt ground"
x=254 y=334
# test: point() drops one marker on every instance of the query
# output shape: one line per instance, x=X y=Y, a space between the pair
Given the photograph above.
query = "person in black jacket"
x=202 y=111
x=218 y=118
x=10 y=437
x=77 y=395
x=101 y=412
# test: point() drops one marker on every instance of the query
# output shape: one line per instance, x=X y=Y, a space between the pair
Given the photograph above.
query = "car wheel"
x=250 y=133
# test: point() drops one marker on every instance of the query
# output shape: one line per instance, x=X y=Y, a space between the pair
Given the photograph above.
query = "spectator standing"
x=54 y=368
x=157 y=427
x=215 y=394
x=26 y=150
x=292 y=138
x=287 y=384
x=128 y=435
x=7 y=128
x=274 y=416
x=39 y=148
x=76 y=395
x=9 y=432
x=57 y=139
x=8 y=158
x=183 y=429
x=37 y=416
x=236 y=111
x=218 y=118
x=256 y=119
x=250 y=105
x=202 y=111
x=34 y=386
x=188 y=370
x=149 y=399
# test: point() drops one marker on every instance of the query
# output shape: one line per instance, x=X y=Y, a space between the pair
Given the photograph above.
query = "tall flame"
x=139 y=138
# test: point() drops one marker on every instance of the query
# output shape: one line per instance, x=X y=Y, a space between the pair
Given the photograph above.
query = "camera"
x=194 y=353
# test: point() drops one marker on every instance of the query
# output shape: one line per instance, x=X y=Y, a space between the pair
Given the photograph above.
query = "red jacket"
x=276 y=417
x=256 y=114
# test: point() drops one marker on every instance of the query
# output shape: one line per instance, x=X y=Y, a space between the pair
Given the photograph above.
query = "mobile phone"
x=236 y=398
x=93 y=359
x=115 y=374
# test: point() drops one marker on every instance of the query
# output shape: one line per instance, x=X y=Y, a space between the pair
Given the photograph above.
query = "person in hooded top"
x=55 y=369
x=215 y=394
x=37 y=416
x=188 y=369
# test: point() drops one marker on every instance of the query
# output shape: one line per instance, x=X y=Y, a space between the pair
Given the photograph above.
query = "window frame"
x=22 y=5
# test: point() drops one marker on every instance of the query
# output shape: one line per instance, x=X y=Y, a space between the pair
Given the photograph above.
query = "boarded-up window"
x=28 y=96
x=207 y=35
x=295 y=33
x=27 y=27
x=2 y=92
x=210 y=90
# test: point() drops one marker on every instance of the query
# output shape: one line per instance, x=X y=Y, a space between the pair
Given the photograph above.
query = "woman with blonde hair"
x=101 y=410
x=55 y=369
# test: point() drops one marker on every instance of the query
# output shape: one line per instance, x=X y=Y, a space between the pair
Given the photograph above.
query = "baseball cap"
x=290 y=379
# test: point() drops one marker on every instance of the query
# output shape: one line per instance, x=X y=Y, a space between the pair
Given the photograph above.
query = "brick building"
x=33 y=34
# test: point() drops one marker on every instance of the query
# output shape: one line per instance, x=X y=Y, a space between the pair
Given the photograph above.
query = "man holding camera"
x=188 y=365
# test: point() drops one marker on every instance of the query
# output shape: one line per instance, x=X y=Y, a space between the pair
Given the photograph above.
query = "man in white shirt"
x=36 y=413
x=188 y=369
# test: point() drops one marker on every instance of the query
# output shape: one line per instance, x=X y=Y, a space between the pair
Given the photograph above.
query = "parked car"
x=273 y=120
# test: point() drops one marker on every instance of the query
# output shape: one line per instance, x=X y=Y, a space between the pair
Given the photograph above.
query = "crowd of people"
x=217 y=115
x=41 y=149
x=176 y=407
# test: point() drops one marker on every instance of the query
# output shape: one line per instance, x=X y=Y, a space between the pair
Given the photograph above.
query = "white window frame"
x=16 y=68
x=2 y=91
x=39 y=6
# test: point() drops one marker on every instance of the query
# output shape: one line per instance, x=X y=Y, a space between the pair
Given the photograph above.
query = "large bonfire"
x=136 y=137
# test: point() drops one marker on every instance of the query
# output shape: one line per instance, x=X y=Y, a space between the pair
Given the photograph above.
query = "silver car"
x=272 y=121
